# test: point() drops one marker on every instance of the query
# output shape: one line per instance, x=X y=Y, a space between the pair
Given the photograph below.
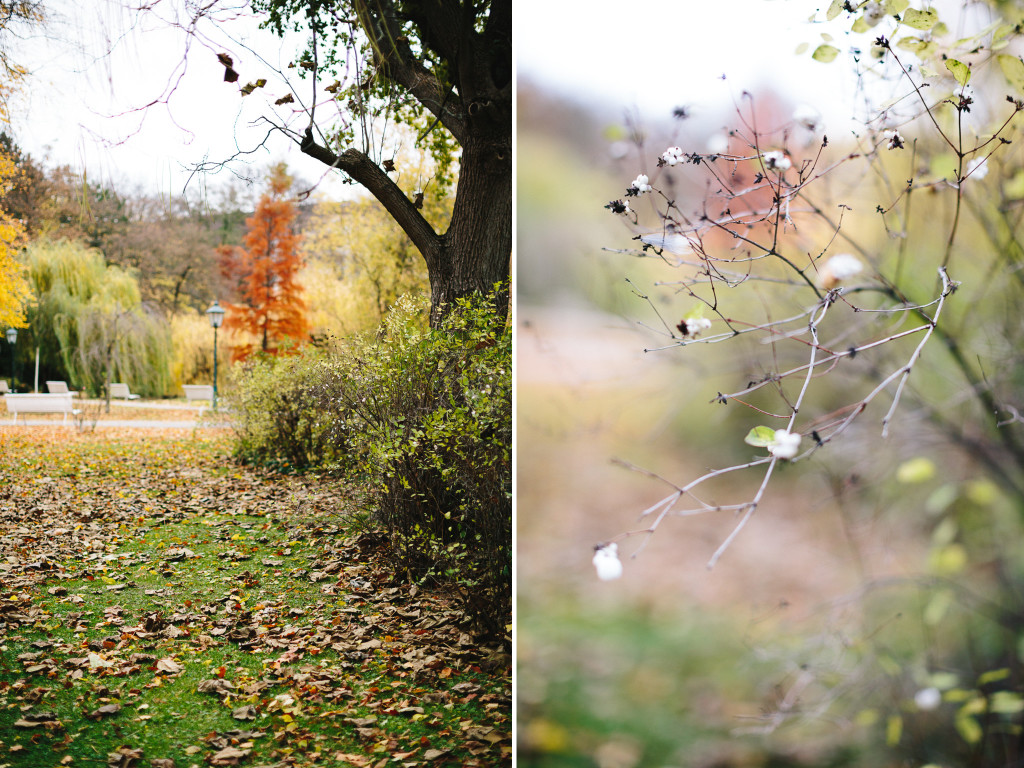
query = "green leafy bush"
x=420 y=420
x=279 y=421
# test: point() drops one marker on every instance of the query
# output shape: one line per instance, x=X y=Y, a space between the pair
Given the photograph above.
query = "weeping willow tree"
x=89 y=323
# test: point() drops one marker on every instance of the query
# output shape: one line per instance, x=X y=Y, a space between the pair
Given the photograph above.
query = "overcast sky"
x=658 y=54
x=95 y=68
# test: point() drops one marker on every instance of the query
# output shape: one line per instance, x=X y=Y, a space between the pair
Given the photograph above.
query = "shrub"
x=279 y=422
x=421 y=421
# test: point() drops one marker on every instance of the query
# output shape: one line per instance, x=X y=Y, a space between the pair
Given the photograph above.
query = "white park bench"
x=198 y=392
x=59 y=388
x=40 y=403
x=122 y=391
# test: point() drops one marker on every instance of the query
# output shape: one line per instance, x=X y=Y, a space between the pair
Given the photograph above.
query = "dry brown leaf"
x=248 y=712
x=169 y=665
x=217 y=686
x=105 y=711
x=229 y=756
x=124 y=757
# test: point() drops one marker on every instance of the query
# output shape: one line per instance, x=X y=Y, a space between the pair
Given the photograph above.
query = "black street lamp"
x=216 y=315
x=12 y=336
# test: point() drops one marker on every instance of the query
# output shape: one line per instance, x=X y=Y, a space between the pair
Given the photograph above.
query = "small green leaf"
x=825 y=53
x=968 y=729
x=892 y=7
x=993 y=676
x=961 y=72
x=802 y=49
x=834 y=9
x=1013 y=189
x=937 y=607
x=957 y=695
x=941 y=498
x=916 y=470
x=920 y=19
x=943 y=680
x=948 y=560
x=945 y=532
x=894 y=730
x=912 y=44
x=866 y=718
x=760 y=437
x=984 y=493
x=890 y=666
x=1013 y=70
x=976 y=705
x=860 y=25
x=1006 y=703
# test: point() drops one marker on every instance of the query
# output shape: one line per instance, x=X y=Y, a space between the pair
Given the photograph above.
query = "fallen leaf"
x=229 y=756
x=124 y=757
x=105 y=711
x=169 y=666
x=178 y=554
x=219 y=687
x=248 y=712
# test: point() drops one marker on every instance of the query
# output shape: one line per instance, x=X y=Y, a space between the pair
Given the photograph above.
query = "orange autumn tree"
x=264 y=274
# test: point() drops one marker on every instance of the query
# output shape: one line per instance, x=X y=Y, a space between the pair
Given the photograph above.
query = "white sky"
x=650 y=54
x=82 y=106
x=658 y=54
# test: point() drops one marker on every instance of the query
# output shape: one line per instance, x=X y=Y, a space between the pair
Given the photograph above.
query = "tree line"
x=120 y=279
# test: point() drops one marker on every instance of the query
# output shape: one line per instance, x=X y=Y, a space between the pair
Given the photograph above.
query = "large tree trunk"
x=473 y=101
x=475 y=253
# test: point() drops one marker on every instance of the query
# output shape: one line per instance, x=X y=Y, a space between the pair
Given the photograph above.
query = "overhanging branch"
x=367 y=173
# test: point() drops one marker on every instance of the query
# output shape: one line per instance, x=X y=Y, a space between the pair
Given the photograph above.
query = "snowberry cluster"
x=777 y=161
x=673 y=156
x=640 y=185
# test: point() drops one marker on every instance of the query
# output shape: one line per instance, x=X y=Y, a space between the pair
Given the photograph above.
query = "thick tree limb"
x=361 y=168
x=393 y=53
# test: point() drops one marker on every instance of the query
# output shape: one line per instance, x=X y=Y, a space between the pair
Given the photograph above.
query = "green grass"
x=334 y=657
x=604 y=684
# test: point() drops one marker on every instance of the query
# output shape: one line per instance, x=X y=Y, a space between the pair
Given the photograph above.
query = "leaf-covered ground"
x=162 y=606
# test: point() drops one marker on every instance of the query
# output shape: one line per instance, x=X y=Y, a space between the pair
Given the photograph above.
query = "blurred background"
x=827 y=628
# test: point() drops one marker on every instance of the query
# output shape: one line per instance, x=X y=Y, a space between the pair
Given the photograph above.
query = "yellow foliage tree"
x=359 y=263
x=15 y=292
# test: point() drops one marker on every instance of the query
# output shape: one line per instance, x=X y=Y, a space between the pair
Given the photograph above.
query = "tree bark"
x=477 y=251
x=475 y=106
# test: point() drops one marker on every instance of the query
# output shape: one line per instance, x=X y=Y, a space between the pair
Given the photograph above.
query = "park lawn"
x=160 y=605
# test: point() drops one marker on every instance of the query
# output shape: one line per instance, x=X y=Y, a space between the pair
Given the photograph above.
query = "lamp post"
x=12 y=336
x=216 y=315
